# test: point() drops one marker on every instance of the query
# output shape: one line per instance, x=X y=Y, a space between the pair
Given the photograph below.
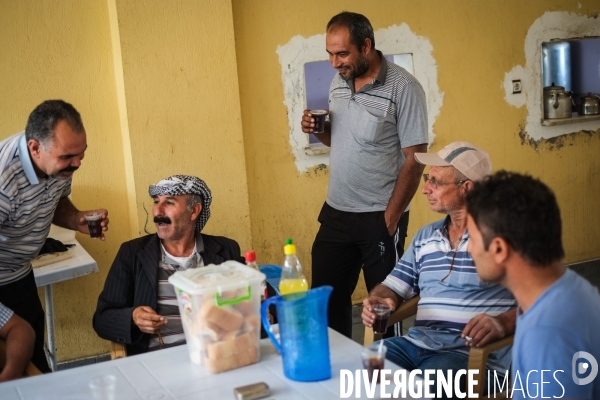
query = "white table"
x=79 y=264
x=169 y=374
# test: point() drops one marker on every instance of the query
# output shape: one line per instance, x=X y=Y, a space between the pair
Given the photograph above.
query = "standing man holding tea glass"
x=378 y=120
x=36 y=168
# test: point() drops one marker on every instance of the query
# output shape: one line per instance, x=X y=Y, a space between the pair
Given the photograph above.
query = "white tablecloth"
x=169 y=374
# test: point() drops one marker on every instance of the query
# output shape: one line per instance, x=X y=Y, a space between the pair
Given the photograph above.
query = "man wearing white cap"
x=138 y=305
x=456 y=310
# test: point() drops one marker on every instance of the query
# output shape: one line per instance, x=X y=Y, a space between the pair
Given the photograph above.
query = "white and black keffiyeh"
x=178 y=185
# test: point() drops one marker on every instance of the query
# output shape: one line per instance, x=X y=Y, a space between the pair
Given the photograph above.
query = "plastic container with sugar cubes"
x=220 y=314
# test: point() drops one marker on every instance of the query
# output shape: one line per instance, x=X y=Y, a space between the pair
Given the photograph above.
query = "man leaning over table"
x=138 y=306
x=36 y=169
x=378 y=120
x=454 y=304
x=19 y=337
x=516 y=233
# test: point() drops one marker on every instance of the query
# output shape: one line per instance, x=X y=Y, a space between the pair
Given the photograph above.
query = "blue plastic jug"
x=304 y=345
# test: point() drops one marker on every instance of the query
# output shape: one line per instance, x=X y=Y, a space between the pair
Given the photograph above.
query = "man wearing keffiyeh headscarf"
x=138 y=307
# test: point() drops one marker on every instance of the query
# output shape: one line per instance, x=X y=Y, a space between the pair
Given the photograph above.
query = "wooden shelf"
x=573 y=120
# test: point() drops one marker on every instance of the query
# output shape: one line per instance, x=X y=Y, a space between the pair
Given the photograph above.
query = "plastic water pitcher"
x=304 y=344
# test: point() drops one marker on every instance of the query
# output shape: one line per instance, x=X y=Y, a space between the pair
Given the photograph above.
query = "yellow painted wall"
x=156 y=85
x=183 y=107
x=475 y=43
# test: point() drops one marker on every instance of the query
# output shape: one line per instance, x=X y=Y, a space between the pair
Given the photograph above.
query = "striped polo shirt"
x=446 y=306
x=5 y=314
x=369 y=129
x=172 y=333
x=27 y=206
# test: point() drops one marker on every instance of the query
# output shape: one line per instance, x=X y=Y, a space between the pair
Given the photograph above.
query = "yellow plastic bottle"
x=292 y=276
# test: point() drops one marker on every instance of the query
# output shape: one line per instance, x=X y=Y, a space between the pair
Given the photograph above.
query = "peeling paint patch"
x=550 y=26
x=393 y=40
x=317 y=170
x=557 y=142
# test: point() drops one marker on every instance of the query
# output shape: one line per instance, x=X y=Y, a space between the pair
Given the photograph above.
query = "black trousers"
x=22 y=297
x=345 y=243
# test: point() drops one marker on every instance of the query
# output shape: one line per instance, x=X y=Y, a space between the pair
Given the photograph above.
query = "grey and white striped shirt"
x=369 y=129
x=27 y=206
x=172 y=333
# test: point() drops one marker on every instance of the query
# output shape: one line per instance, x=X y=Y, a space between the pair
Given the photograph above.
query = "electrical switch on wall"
x=516 y=84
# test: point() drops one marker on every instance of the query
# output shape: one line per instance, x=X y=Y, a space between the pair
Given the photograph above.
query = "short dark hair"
x=523 y=211
x=43 y=120
x=357 y=24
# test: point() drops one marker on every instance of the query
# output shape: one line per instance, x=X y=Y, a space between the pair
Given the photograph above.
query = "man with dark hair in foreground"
x=515 y=227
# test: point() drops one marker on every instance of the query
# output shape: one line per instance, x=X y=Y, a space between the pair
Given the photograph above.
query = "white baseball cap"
x=473 y=162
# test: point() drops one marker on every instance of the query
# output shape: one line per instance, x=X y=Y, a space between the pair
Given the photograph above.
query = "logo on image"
x=581 y=367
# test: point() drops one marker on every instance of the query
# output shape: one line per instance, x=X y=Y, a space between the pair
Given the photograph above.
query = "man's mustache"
x=162 y=220
x=69 y=169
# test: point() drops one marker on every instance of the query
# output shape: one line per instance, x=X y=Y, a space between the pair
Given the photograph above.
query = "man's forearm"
x=406 y=184
x=65 y=215
x=385 y=292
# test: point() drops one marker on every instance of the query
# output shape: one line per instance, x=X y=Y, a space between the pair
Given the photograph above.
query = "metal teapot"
x=557 y=102
x=589 y=105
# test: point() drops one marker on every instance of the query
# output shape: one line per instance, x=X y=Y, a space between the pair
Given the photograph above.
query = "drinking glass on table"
x=373 y=359
x=104 y=387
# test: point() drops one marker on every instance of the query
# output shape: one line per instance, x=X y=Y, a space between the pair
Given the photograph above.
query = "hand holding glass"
x=319 y=117
x=94 y=220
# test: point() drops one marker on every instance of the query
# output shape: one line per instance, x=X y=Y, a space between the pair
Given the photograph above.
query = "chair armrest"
x=32 y=370
x=478 y=360
x=117 y=350
x=406 y=309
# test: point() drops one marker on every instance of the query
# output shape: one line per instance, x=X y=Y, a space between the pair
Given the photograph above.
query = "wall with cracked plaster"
x=465 y=52
x=392 y=40
x=550 y=26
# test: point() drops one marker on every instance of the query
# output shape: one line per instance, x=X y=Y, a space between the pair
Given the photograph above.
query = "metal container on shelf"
x=556 y=64
x=557 y=102
x=589 y=105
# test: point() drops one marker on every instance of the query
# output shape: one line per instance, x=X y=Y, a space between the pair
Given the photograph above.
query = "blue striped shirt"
x=446 y=306
x=27 y=206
